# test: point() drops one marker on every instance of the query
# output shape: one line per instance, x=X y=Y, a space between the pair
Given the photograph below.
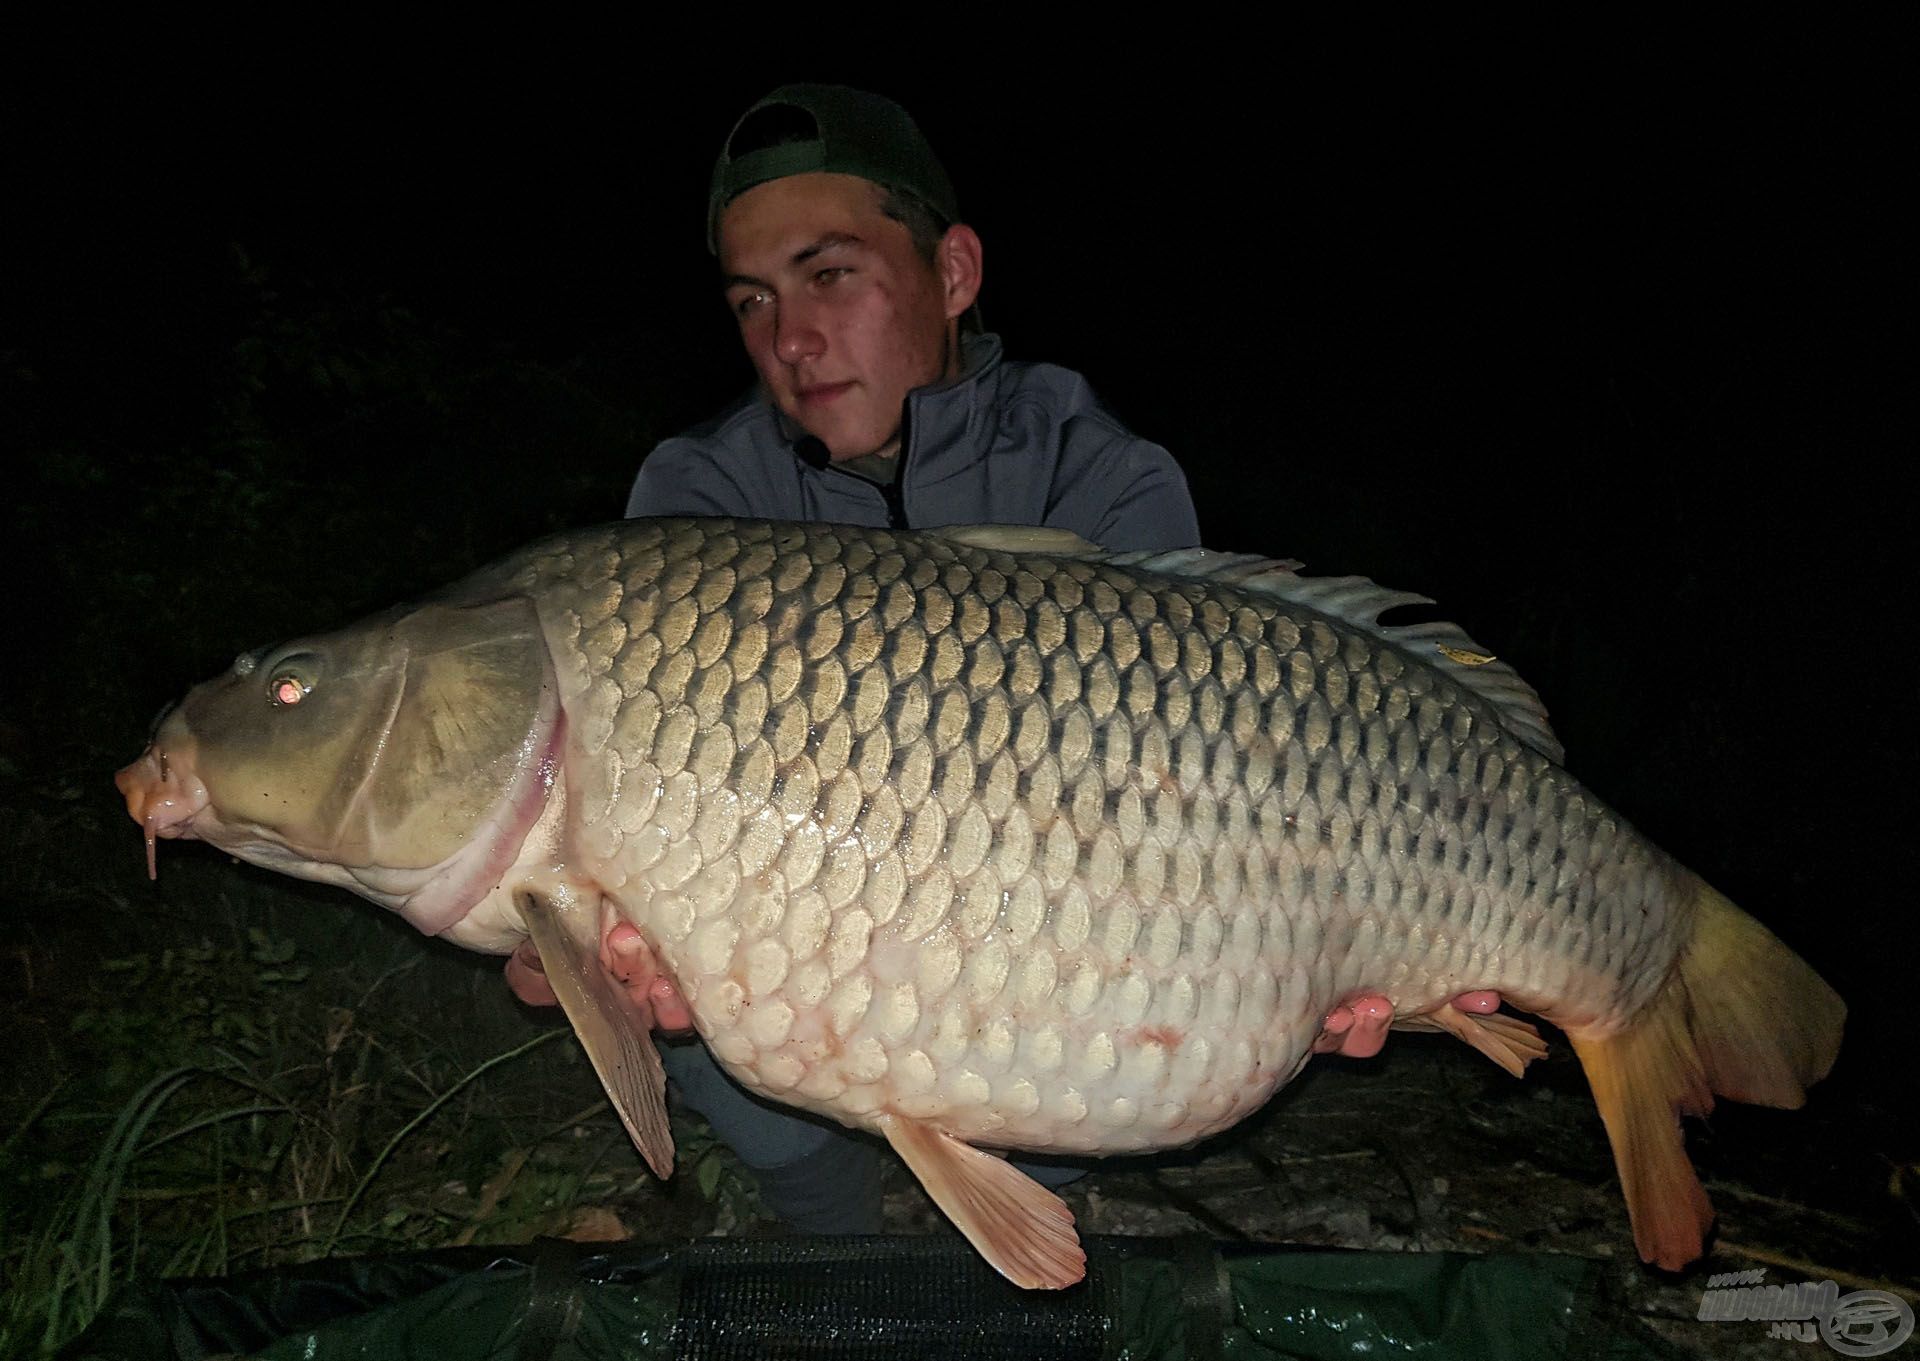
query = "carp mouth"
x=162 y=795
x=167 y=798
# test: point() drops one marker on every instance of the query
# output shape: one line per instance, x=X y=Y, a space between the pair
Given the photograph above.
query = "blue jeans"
x=818 y=1176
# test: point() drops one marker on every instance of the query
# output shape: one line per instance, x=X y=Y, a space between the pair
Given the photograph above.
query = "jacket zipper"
x=890 y=494
x=893 y=494
x=896 y=500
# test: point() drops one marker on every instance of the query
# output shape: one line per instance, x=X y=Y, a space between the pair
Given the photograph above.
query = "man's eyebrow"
x=831 y=241
x=825 y=243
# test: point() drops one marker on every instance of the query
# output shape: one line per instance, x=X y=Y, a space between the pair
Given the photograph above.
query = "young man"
x=853 y=282
x=879 y=403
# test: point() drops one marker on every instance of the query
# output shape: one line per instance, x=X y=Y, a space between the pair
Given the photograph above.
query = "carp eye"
x=289 y=686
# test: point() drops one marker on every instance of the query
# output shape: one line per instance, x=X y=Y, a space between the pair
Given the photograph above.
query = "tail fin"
x=1742 y=1017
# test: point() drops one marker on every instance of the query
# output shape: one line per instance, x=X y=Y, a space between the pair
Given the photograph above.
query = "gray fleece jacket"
x=1005 y=443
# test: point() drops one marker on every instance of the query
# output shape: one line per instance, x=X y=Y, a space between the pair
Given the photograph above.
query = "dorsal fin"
x=1355 y=601
x=1062 y=543
x=1359 y=603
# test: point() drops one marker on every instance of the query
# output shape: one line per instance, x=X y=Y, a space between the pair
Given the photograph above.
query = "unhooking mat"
x=849 y=1299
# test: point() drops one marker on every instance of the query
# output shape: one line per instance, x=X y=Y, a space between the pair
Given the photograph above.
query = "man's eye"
x=749 y=302
x=831 y=275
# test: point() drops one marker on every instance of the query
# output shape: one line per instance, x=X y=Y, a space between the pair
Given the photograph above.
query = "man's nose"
x=797 y=336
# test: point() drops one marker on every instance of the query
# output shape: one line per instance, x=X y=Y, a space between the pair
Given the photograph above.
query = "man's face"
x=840 y=314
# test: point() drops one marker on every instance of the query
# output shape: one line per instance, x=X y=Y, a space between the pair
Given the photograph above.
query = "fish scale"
x=983 y=837
x=1361 y=787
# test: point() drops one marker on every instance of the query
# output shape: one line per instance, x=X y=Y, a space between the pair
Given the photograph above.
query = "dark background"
x=1591 y=340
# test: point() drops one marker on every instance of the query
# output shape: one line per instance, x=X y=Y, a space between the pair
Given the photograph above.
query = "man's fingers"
x=625 y=953
x=632 y=962
x=527 y=979
x=670 y=1010
x=1357 y=1029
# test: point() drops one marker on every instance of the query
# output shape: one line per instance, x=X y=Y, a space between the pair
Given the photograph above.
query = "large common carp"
x=982 y=839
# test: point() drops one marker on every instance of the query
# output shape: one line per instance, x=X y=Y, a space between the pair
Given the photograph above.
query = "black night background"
x=1598 y=348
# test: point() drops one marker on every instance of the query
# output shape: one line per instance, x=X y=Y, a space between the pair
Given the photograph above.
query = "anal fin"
x=1023 y=1230
x=1507 y=1040
x=612 y=1030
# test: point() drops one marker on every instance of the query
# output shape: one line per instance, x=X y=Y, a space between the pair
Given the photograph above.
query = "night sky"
x=1594 y=344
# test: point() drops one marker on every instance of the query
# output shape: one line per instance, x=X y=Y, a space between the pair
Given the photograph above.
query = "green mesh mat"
x=848 y=1299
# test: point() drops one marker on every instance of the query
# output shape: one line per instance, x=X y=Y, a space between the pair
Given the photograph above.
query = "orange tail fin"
x=1742 y=1017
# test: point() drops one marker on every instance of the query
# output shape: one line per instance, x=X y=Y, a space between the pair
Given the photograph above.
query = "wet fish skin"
x=1036 y=850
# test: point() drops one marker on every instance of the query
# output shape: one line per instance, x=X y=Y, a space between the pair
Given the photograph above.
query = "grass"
x=263 y=1073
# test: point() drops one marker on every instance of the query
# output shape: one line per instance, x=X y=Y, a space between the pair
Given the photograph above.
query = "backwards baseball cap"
x=802 y=128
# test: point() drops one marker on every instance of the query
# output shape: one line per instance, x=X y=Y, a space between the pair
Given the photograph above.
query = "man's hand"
x=624 y=953
x=1357 y=1029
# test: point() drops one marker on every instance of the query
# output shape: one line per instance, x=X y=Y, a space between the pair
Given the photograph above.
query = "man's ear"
x=958 y=257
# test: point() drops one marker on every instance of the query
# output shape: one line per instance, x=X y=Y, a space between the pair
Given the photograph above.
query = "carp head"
x=405 y=757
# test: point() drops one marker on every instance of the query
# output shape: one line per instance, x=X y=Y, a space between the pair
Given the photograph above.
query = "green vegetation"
x=253 y=1095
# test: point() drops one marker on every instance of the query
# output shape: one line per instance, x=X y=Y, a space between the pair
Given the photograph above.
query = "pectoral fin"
x=1023 y=1230
x=613 y=1032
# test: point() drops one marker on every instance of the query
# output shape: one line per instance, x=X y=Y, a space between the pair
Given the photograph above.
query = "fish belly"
x=1048 y=852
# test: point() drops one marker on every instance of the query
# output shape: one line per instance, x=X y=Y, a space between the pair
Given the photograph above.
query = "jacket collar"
x=939 y=421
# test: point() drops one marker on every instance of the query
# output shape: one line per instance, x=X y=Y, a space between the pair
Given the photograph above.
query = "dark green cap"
x=827 y=128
